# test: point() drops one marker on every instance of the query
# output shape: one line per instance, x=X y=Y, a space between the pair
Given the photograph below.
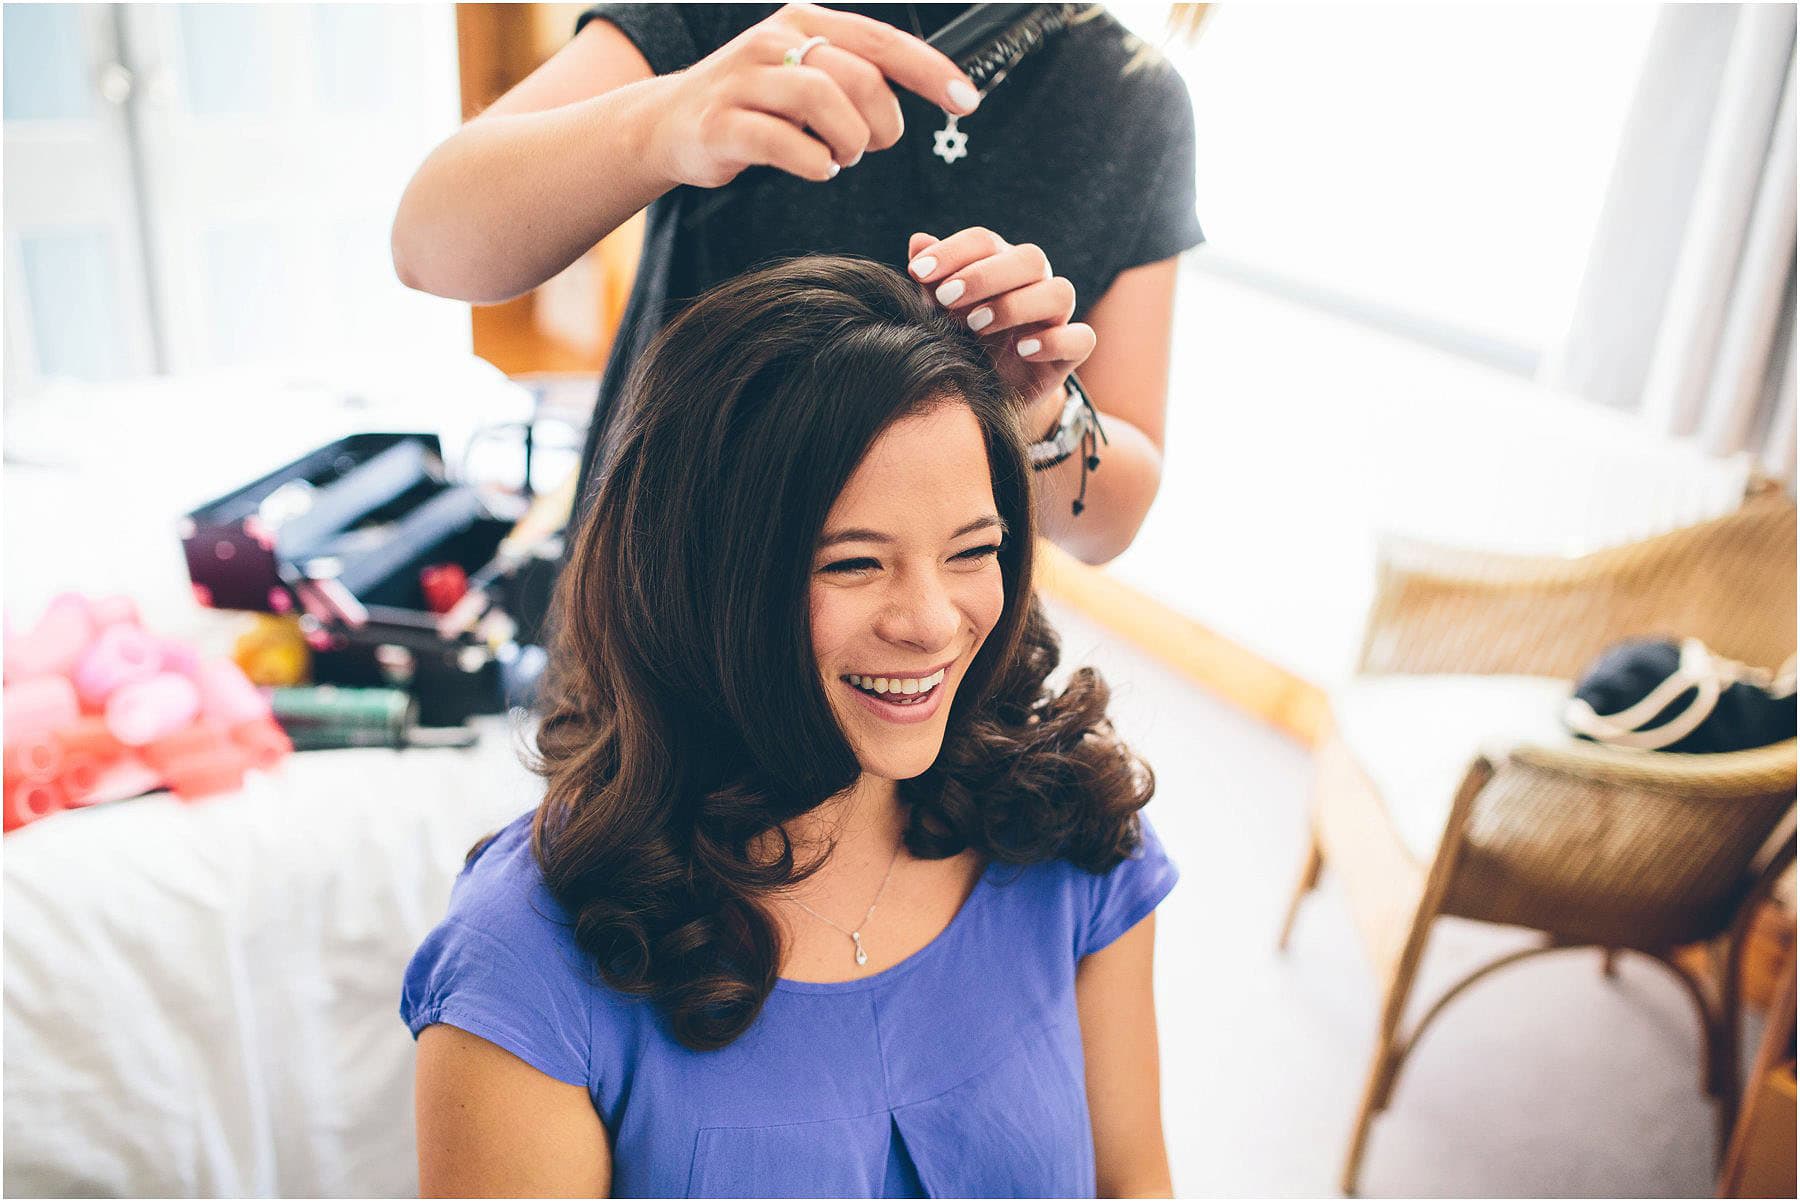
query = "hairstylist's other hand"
x=1009 y=296
x=741 y=107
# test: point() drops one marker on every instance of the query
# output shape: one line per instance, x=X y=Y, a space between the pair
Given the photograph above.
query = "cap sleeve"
x=1121 y=898
x=1169 y=224
x=466 y=978
x=673 y=37
x=501 y=966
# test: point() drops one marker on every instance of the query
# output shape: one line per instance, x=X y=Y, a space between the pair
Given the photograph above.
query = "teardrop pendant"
x=862 y=957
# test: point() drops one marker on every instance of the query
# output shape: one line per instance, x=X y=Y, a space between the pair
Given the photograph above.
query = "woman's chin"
x=897 y=755
x=896 y=767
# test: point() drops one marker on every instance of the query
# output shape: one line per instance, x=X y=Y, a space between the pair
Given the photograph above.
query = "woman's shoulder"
x=503 y=963
x=1097 y=907
x=1104 y=46
x=501 y=891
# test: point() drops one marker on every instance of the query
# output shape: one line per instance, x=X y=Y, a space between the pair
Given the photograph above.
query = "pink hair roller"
x=227 y=696
x=29 y=800
x=33 y=757
x=78 y=778
x=40 y=706
x=201 y=775
x=115 y=610
x=88 y=736
x=125 y=777
x=55 y=643
x=146 y=710
x=122 y=655
x=263 y=741
x=202 y=739
x=177 y=656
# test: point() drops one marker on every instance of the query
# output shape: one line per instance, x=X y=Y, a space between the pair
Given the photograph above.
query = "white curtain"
x=1686 y=311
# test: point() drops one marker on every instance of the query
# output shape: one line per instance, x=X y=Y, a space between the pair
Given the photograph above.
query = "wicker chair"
x=1592 y=846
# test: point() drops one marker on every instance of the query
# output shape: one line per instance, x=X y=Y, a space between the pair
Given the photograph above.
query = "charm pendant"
x=952 y=143
x=862 y=957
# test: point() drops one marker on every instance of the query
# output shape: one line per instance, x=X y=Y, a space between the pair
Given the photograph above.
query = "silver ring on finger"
x=797 y=54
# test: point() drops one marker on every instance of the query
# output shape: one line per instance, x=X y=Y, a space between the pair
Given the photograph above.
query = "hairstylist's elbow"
x=423 y=265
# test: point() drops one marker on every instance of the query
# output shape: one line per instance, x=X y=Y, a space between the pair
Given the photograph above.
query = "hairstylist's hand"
x=740 y=106
x=1009 y=296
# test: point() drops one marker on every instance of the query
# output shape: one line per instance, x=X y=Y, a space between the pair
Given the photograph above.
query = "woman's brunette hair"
x=683 y=714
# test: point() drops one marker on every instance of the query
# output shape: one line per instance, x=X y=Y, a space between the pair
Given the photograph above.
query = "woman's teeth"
x=899 y=690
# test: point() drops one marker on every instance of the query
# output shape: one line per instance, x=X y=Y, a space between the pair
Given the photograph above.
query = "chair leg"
x=1380 y=1073
x=1730 y=1031
x=1309 y=880
x=1727 y=1070
x=1384 y=1064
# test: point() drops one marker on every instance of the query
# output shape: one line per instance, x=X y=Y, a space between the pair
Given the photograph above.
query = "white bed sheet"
x=202 y=999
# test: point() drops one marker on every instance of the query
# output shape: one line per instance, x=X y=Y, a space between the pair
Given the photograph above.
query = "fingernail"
x=948 y=291
x=981 y=319
x=1029 y=346
x=922 y=266
x=963 y=96
x=853 y=162
x=832 y=173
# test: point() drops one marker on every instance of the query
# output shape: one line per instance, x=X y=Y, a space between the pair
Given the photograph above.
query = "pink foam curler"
x=198 y=740
x=117 y=609
x=125 y=777
x=199 y=776
x=33 y=757
x=179 y=657
x=79 y=775
x=146 y=710
x=40 y=706
x=56 y=642
x=29 y=800
x=88 y=735
x=122 y=655
x=227 y=696
x=263 y=741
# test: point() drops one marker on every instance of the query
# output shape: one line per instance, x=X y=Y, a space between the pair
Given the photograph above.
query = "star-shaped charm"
x=952 y=143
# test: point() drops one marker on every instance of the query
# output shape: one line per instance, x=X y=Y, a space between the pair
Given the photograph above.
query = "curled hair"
x=682 y=713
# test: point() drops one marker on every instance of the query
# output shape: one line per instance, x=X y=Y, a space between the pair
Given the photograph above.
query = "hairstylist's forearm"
x=510 y=200
x=1119 y=493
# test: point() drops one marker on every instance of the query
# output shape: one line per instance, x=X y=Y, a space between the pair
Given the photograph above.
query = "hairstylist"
x=1048 y=215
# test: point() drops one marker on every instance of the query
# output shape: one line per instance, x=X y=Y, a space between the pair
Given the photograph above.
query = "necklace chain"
x=862 y=957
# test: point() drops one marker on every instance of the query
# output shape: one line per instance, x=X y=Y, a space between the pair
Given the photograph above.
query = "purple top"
x=957 y=1072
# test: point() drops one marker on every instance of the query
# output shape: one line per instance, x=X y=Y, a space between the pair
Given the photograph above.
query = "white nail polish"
x=853 y=162
x=963 y=96
x=922 y=266
x=948 y=291
x=1029 y=346
x=981 y=319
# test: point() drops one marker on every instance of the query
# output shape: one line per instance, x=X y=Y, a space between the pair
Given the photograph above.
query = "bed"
x=201 y=999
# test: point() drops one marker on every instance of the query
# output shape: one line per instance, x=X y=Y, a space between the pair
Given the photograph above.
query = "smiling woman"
x=827 y=892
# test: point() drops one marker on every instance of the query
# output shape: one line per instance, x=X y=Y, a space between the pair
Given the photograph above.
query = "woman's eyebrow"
x=859 y=535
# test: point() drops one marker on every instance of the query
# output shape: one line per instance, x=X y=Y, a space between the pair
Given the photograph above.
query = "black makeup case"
x=341 y=537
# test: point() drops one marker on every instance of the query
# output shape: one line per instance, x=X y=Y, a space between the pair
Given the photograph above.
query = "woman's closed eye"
x=979 y=553
x=866 y=564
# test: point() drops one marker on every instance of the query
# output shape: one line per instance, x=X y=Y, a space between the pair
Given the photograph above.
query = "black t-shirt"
x=1086 y=149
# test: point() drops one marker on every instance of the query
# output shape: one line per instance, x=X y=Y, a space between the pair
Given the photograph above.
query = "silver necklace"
x=862 y=957
x=951 y=143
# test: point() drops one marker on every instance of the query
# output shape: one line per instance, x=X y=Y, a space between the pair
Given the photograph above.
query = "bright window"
x=1427 y=166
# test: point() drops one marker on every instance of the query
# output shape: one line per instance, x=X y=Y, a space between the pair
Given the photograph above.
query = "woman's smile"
x=900 y=697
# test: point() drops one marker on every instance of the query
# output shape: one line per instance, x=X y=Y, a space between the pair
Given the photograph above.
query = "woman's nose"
x=921 y=613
